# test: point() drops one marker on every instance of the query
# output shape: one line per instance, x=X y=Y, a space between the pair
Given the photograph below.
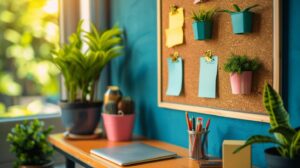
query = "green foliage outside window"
x=29 y=31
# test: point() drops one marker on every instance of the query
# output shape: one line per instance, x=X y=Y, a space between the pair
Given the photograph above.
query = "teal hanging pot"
x=202 y=30
x=241 y=22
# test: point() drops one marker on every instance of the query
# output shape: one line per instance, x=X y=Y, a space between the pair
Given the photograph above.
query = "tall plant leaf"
x=274 y=106
x=295 y=145
x=287 y=132
x=257 y=139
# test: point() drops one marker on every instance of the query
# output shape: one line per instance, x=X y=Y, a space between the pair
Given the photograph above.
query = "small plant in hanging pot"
x=241 y=69
x=286 y=153
x=241 y=19
x=81 y=69
x=202 y=25
x=118 y=118
x=28 y=141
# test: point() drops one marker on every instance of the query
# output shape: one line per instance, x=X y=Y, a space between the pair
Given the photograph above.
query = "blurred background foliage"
x=29 y=31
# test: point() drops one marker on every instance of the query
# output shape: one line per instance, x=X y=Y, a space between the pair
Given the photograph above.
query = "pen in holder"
x=198 y=144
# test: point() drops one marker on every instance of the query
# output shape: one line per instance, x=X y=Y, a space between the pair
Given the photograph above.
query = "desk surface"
x=80 y=149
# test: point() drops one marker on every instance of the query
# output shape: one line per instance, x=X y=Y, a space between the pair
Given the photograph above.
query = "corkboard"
x=263 y=43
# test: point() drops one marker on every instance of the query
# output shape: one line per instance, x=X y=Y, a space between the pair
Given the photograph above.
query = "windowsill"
x=39 y=116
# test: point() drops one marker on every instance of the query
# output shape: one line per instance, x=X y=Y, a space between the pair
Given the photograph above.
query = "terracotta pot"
x=118 y=127
x=47 y=165
x=241 y=82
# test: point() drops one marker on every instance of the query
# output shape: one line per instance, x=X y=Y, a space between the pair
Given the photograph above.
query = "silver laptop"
x=133 y=154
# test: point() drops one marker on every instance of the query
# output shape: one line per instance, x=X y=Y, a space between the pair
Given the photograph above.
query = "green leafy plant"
x=29 y=143
x=238 y=9
x=81 y=68
x=285 y=137
x=241 y=63
x=203 y=15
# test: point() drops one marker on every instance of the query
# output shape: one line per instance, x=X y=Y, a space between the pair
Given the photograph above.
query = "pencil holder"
x=198 y=144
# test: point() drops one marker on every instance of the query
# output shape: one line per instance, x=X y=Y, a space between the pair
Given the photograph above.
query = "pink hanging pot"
x=241 y=82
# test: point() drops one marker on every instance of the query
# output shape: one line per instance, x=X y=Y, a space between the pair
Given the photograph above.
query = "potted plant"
x=202 y=25
x=29 y=143
x=241 y=19
x=286 y=153
x=118 y=118
x=81 y=68
x=241 y=69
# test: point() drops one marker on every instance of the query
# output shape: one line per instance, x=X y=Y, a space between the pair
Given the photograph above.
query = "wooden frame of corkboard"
x=265 y=39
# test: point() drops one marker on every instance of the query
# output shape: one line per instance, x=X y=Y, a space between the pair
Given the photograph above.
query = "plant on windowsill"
x=81 y=68
x=241 y=19
x=202 y=25
x=241 y=69
x=286 y=154
x=29 y=143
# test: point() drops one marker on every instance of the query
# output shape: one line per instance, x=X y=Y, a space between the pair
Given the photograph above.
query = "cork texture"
x=258 y=44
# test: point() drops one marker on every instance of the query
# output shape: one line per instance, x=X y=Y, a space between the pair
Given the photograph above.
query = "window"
x=30 y=28
x=29 y=83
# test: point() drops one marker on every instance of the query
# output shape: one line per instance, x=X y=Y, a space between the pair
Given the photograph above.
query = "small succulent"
x=123 y=107
x=238 y=9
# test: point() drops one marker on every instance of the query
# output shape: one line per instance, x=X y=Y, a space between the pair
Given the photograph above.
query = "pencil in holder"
x=198 y=144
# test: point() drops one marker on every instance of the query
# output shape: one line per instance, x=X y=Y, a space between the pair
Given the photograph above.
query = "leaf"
x=287 y=132
x=257 y=139
x=250 y=7
x=226 y=11
x=237 y=8
x=295 y=146
x=274 y=106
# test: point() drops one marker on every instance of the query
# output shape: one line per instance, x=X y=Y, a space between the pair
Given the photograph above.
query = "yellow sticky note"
x=177 y=19
x=174 y=37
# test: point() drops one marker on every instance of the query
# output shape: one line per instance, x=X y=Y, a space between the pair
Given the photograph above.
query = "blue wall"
x=136 y=74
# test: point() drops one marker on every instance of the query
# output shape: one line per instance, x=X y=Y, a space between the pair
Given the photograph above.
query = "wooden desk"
x=79 y=151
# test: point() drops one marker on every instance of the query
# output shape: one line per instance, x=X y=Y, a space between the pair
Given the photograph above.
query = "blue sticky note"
x=208 y=77
x=174 y=77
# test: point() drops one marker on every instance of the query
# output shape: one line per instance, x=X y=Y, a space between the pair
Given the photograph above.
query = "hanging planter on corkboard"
x=202 y=25
x=241 y=19
x=241 y=22
x=202 y=30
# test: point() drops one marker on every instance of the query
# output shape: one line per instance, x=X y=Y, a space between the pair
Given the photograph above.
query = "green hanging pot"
x=202 y=30
x=241 y=22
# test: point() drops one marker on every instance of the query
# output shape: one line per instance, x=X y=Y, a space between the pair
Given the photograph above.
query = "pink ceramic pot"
x=241 y=83
x=118 y=127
